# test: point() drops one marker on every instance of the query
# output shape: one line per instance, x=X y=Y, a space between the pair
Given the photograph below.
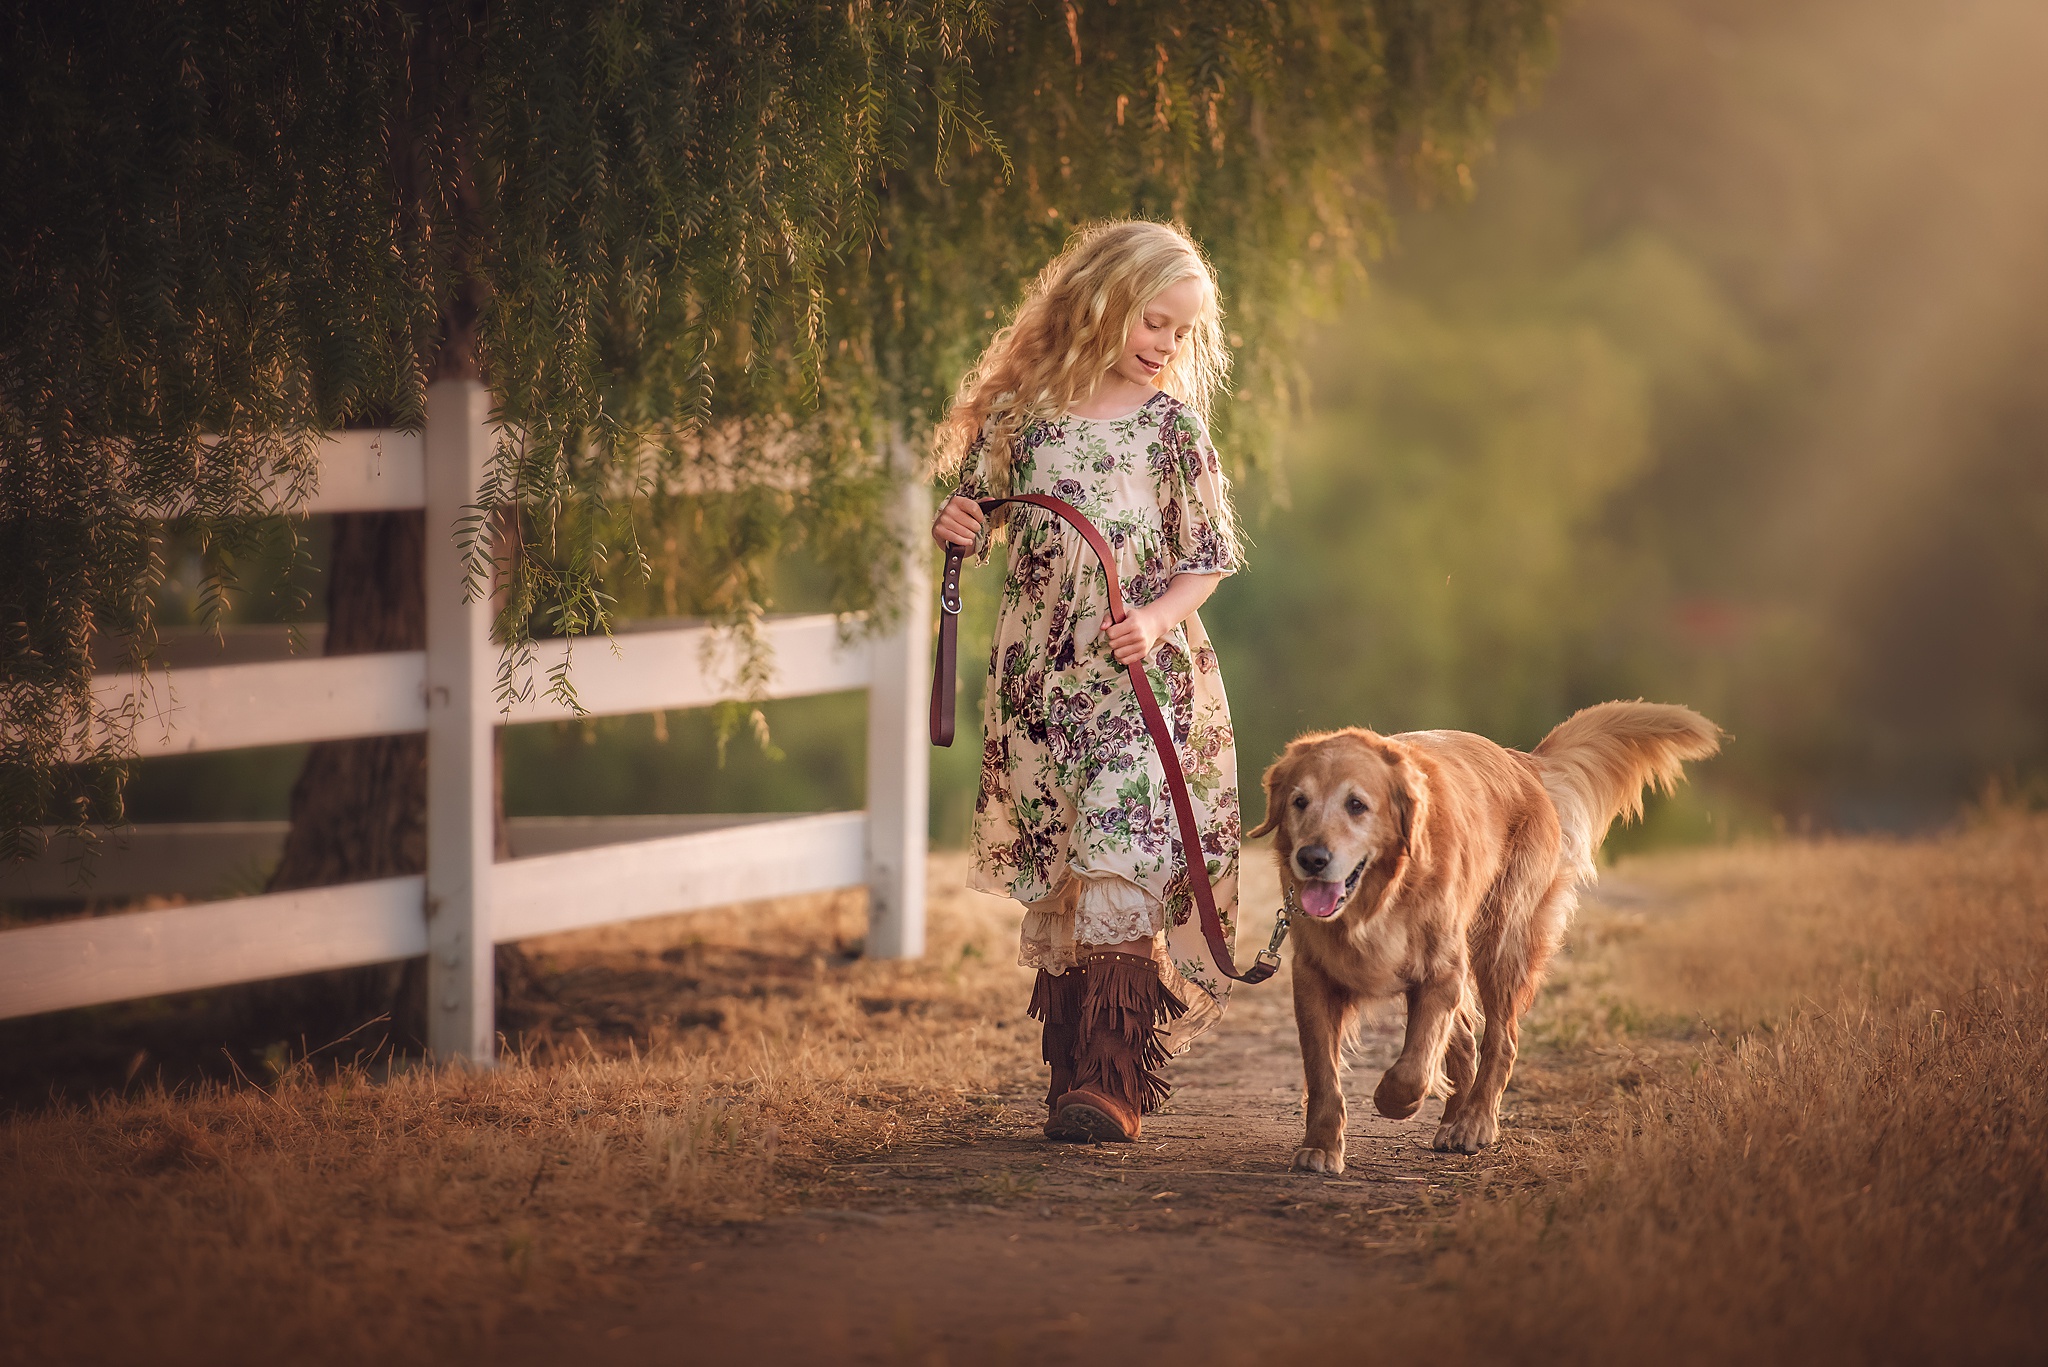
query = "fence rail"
x=341 y=697
x=553 y=892
x=278 y=702
x=371 y=472
x=182 y=949
x=466 y=901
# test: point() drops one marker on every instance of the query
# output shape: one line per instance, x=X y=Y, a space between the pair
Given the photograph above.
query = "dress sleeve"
x=1201 y=529
x=973 y=478
x=974 y=484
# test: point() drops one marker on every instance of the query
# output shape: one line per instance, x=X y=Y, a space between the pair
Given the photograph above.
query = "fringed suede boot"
x=1116 y=1073
x=1056 y=1002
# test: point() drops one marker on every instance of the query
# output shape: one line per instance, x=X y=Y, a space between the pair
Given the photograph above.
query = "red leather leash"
x=943 y=682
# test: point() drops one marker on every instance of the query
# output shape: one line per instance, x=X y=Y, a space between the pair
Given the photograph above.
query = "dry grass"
x=1847 y=1162
x=346 y=1218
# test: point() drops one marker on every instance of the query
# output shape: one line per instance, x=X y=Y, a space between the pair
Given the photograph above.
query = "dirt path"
x=1002 y=1247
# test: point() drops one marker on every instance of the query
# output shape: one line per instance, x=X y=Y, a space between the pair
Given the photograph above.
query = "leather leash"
x=943 y=685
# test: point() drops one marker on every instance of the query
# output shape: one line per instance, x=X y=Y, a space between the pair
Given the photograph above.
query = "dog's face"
x=1347 y=806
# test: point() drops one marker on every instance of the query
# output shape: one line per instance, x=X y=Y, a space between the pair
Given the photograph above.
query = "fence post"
x=460 y=671
x=899 y=764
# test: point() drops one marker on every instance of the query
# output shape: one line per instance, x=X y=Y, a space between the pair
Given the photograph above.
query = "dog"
x=1445 y=868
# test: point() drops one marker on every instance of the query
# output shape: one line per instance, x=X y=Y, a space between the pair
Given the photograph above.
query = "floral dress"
x=1073 y=817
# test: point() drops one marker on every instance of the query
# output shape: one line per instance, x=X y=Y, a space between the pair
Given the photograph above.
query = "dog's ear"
x=1411 y=795
x=1276 y=784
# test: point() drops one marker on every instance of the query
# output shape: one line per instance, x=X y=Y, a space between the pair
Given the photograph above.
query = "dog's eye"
x=1357 y=806
x=1300 y=802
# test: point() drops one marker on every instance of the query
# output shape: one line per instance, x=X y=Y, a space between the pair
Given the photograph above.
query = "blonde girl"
x=1098 y=393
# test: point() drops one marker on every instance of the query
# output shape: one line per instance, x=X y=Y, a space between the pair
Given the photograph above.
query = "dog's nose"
x=1312 y=859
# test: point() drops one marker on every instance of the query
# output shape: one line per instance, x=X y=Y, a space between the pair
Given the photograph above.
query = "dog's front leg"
x=1432 y=1011
x=1323 y=1009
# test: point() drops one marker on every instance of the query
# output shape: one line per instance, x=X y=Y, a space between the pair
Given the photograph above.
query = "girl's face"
x=1161 y=329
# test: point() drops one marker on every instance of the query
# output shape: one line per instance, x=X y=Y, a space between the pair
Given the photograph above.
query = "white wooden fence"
x=466 y=902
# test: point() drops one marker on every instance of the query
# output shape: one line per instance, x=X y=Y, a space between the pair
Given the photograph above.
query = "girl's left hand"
x=1133 y=638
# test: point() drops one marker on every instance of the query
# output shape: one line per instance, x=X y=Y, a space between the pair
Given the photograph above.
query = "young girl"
x=1097 y=393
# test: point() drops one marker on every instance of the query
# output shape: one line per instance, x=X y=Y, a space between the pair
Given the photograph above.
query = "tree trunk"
x=359 y=808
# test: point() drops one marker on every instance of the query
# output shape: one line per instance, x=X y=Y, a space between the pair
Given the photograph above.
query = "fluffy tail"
x=1597 y=763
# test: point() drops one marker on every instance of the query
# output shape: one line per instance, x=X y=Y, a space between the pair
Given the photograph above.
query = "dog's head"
x=1350 y=809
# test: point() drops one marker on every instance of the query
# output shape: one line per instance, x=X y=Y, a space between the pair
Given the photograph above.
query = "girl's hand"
x=1133 y=638
x=959 y=523
x=1144 y=627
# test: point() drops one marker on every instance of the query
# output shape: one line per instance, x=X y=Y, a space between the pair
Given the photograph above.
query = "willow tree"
x=715 y=261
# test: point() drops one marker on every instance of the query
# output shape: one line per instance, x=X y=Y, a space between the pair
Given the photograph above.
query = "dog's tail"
x=1598 y=761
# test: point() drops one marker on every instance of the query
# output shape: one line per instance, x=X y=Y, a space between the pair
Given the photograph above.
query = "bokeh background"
x=1725 y=387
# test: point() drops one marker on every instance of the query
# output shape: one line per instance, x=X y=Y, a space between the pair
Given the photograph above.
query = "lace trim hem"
x=1087 y=910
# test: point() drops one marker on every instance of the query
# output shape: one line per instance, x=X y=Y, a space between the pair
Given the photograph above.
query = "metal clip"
x=1281 y=921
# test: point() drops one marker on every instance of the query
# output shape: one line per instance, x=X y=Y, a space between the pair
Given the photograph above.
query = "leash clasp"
x=1270 y=955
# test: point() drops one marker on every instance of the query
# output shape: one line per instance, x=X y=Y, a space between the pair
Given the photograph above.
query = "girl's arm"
x=1142 y=628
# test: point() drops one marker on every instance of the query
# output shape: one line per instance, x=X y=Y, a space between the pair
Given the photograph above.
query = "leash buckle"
x=949 y=582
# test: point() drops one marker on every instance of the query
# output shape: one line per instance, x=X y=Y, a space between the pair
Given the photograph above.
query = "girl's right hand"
x=959 y=523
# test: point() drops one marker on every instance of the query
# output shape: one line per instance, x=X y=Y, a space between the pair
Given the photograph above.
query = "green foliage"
x=183 y=256
x=1450 y=558
x=716 y=261
x=1648 y=419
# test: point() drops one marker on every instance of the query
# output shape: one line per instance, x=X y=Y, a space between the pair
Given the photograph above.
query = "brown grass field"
x=1781 y=1102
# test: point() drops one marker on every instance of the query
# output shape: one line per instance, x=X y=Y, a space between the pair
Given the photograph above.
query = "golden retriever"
x=1442 y=867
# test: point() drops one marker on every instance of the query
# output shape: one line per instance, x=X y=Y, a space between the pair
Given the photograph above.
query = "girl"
x=1097 y=393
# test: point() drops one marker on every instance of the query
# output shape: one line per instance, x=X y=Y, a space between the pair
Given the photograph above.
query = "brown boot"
x=1116 y=1073
x=1056 y=1001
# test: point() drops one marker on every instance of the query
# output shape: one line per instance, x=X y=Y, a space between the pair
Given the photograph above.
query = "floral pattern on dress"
x=1069 y=779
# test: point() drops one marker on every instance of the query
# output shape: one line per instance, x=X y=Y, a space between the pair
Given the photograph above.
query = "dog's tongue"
x=1320 y=898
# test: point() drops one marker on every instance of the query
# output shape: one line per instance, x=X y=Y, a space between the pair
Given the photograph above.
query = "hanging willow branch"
x=712 y=259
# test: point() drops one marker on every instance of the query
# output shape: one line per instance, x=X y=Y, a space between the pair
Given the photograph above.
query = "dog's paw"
x=1399 y=1097
x=1326 y=1161
x=1469 y=1133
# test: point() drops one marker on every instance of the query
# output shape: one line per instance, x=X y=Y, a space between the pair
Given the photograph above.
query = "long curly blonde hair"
x=1068 y=332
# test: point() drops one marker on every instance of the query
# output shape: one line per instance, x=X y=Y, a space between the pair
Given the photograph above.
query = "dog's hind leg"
x=1531 y=906
x=1323 y=1012
x=1478 y=1119
x=1461 y=1062
x=1507 y=980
